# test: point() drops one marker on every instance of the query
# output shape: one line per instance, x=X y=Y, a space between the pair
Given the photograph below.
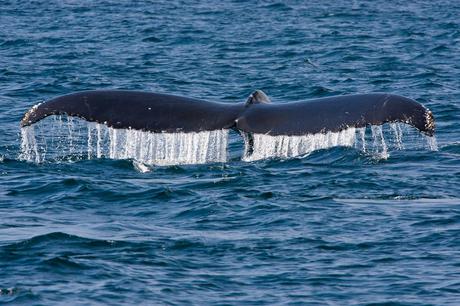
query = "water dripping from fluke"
x=62 y=138
x=58 y=139
x=376 y=141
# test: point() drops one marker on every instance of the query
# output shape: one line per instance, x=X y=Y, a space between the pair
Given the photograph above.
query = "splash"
x=377 y=141
x=69 y=139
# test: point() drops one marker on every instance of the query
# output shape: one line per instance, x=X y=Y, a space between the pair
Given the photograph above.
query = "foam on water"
x=67 y=138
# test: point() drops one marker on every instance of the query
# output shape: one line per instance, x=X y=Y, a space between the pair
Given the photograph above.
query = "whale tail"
x=159 y=113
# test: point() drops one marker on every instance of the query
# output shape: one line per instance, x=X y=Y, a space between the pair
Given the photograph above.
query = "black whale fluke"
x=139 y=110
x=333 y=114
x=167 y=113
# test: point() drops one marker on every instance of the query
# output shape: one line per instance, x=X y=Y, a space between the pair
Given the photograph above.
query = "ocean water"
x=372 y=220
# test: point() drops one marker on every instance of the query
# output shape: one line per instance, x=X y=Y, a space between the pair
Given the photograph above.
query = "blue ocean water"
x=334 y=227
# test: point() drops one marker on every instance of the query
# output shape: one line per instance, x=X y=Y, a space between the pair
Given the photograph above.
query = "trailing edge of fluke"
x=168 y=113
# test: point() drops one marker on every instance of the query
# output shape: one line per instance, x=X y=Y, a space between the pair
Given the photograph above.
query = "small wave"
x=451 y=148
x=60 y=238
x=64 y=263
x=151 y=39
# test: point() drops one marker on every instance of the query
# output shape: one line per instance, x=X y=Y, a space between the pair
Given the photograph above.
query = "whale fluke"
x=139 y=110
x=333 y=114
x=167 y=113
